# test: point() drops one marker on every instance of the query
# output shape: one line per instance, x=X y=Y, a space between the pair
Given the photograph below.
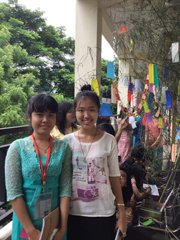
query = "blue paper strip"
x=166 y=72
x=168 y=99
x=110 y=70
x=105 y=110
x=178 y=133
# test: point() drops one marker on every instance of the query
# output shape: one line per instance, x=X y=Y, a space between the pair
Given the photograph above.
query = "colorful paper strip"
x=95 y=86
x=151 y=73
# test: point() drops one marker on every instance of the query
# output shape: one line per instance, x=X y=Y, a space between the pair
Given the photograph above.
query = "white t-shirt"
x=93 y=164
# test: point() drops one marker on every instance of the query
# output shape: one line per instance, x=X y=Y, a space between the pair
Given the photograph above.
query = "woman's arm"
x=14 y=188
x=65 y=189
x=137 y=194
x=123 y=124
x=64 y=212
x=117 y=191
x=20 y=209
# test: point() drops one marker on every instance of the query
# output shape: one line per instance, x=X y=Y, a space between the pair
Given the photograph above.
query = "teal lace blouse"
x=23 y=177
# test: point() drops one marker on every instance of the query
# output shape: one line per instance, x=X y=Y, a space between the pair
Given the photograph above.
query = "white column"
x=87 y=42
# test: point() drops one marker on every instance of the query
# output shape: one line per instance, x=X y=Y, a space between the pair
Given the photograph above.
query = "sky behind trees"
x=62 y=13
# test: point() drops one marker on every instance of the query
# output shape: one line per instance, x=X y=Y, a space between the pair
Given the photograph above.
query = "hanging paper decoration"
x=132 y=122
x=160 y=122
x=149 y=117
x=178 y=133
x=150 y=101
x=163 y=95
x=110 y=70
x=126 y=81
x=131 y=87
x=166 y=72
x=179 y=88
x=105 y=110
x=129 y=97
x=151 y=73
x=144 y=120
x=175 y=52
x=131 y=44
x=137 y=85
x=146 y=108
x=115 y=90
x=113 y=97
x=122 y=28
x=150 y=87
x=156 y=79
x=95 y=86
x=130 y=92
x=168 y=99
x=135 y=99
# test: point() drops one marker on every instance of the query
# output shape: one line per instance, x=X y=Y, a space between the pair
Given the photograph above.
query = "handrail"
x=8 y=130
x=5 y=230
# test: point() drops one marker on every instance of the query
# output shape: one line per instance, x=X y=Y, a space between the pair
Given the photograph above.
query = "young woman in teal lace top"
x=38 y=173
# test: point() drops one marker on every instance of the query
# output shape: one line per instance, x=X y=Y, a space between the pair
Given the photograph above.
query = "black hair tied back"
x=86 y=87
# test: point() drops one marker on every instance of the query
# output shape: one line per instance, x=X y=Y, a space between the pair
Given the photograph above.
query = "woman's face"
x=70 y=117
x=86 y=113
x=43 y=122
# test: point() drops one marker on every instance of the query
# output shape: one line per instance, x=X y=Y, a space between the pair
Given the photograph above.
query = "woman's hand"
x=129 y=214
x=123 y=123
x=34 y=234
x=122 y=222
x=59 y=235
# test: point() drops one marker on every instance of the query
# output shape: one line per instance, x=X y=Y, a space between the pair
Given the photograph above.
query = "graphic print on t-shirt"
x=89 y=178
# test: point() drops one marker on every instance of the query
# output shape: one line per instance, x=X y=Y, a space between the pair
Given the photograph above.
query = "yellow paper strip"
x=95 y=86
x=146 y=108
x=151 y=73
x=160 y=122
x=179 y=88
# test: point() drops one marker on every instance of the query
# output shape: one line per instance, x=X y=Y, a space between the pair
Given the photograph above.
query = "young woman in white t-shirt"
x=96 y=190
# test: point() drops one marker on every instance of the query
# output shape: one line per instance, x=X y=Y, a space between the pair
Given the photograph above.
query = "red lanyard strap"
x=49 y=151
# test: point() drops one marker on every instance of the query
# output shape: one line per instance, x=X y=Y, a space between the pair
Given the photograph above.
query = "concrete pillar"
x=87 y=42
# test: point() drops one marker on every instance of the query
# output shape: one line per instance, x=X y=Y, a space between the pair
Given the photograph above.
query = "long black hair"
x=63 y=109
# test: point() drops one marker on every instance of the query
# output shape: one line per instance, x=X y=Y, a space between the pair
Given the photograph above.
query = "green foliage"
x=60 y=98
x=34 y=57
x=12 y=116
x=106 y=82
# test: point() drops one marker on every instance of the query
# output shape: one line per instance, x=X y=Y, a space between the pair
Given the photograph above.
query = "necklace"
x=85 y=156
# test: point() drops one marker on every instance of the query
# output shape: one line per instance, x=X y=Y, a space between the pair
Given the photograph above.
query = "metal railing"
x=10 y=133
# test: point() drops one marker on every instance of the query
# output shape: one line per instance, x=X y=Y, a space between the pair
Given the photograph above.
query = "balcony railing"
x=7 y=135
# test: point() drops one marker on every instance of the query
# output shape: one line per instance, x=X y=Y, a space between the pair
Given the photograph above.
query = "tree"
x=34 y=58
x=14 y=89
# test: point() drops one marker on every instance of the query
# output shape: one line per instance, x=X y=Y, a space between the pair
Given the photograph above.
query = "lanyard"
x=43 y=168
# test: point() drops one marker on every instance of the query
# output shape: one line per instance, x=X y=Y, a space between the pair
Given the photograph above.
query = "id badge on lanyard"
x=42 y=205
x=43 y=200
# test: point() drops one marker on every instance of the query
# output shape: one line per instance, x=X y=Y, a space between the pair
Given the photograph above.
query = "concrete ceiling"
x=152 y=26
